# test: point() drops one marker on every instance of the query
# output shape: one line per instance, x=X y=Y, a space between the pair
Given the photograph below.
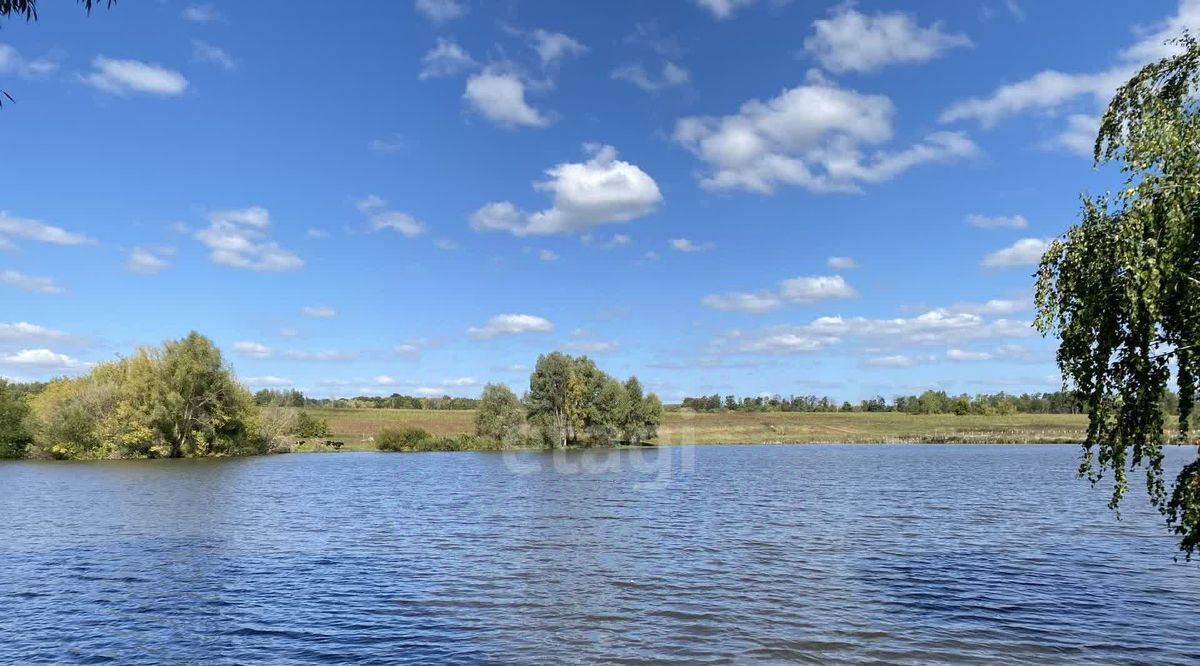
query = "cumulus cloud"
x=461 y=381
x=12 y=62
x=148 y=260
x=723 y=9
x=1079 y=136
x=961 y=355
x=318 y=311
x=37 y=285
x=23 y=331
x=440 y=11
x=547 y=255
x=42 y=359
x=601 y=190
x=997 y=221
x=995 y=306
x=446 y=58
x=687 y=245
x=1050 y=90
x=800 y=290
x=36 y=230
x=205 y=52
x=1025 y=252
x=810 y=136
x=393 y=144
x=552 y=47
x=841 y=263
x=850 y=41
x=378 y=217
x=939 y=327
x=893 y=361
x=500 y=97
x=238 y=238
x=122 y=77
x=511 y=324
x=669 y=76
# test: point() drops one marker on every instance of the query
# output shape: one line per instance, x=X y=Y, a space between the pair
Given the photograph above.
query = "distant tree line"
x=295 y=398
x=929 y=402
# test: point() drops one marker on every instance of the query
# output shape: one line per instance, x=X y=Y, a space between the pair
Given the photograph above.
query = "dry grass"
x=354 y=425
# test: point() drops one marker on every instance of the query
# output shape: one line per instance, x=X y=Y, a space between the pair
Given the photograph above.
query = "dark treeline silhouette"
x=929 y=402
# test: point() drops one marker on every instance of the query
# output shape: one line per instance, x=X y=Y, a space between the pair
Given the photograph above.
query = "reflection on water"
x=825 y=554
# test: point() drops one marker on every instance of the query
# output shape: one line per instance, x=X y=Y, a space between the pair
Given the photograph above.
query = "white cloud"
x=811 y=136
x=269 y=380
x=547 y=255
x=670 y=76
x=850 y=41
x=500 y=98
x=38 y=285
x=251 y=349
x=995 y=306
x=617 y=240
x=552 y=47
x=43 y=359
x=939 y=327
x=440 y=11
x=894 y=361
x=800 y=290
x=411 y=347
x=259 y=351
x=1025 y=252
x=743 y=302
x=23 y=331
x=592 y=346
x=997 y=221
x=1079 y=136
x=815 y=288
x=1050 y=89
x=238 y=238
x=125 y=76
x=402 y=223
x=36 y=230
x=318 y=311
x=447 y=244
x=205 y=52
x=446 y=58
x=201 y=14
x=148 y=259
x=960 y=355
x=316 y=233
x=602 y=190
x=12 y=62
x=723 y=9
x=370 y=203
x=461 y=381
x=686 y=245
x=511 y=324
x=841 y=263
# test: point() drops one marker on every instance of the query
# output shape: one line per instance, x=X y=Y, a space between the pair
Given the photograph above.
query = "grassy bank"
x=353 y=426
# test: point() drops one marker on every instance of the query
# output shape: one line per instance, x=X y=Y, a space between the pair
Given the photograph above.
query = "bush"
x=308 y=425
x=14 y=435
x=407 y=439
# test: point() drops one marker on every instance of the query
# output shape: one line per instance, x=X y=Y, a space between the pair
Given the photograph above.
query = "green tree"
x=1121 y=289
x=500 y=415
x=307 y=425
x=14 y=433
x=547 y=400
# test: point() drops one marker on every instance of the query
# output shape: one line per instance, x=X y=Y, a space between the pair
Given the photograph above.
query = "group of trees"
x=177 y=400
x=929 y=402
x=570 y=402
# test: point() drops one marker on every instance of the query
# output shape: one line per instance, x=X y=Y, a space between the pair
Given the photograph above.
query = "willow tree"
x=1121 y=289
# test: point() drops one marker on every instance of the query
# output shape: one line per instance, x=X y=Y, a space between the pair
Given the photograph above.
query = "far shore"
x=356 y=427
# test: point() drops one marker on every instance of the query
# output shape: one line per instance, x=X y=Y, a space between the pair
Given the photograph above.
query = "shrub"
x=308 y=425
x=406 y=439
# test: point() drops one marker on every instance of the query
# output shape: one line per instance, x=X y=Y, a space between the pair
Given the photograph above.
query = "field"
x=354 y=426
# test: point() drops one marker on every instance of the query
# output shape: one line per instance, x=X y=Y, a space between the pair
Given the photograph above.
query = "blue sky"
x=731 y=196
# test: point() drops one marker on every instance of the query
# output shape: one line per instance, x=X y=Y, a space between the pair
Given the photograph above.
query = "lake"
x=714 y=554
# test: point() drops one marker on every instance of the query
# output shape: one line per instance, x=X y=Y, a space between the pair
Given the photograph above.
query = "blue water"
x=718 y=554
